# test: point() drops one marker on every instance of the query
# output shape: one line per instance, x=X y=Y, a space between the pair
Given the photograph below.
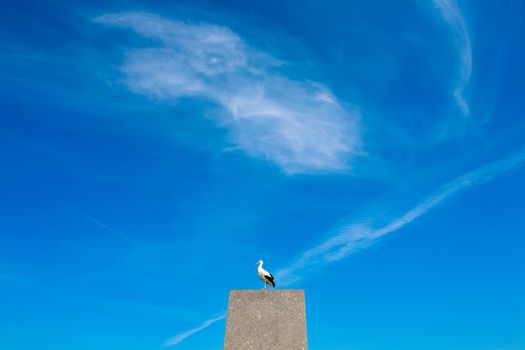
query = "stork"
x=265 y=276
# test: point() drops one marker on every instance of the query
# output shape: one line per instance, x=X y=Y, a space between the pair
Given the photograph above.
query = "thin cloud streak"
x=297 y=124
x=452 y=15
x=354 y=237
x=112 y=230
x=179 y=338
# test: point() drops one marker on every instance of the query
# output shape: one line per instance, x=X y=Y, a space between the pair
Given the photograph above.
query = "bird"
x=265 y=276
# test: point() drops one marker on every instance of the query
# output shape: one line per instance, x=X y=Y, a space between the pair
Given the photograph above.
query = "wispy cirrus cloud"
x=179 y=338
x=113 y=231
x=451 y=13
x=354 y=237
x=298 y=124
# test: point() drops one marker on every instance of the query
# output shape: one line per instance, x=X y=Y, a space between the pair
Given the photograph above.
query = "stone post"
x=266 y=319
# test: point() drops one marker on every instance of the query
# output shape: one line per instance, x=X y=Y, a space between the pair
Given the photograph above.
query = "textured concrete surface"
x=266 y=319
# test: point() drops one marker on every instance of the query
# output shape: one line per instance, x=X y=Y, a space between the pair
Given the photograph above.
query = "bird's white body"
x=265 y=276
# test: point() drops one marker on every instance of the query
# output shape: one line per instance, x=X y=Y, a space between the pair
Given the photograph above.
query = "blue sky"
x=370 y=153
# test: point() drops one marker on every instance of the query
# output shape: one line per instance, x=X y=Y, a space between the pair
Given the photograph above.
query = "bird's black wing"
x=269 y=277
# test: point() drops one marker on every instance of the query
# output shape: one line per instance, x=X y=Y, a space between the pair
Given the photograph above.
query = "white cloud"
x=179 y=338
x=452 y=15
x=354 y=237
x=112 y=230
x=300 y=125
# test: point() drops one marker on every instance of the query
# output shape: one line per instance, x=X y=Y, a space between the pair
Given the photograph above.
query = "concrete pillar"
x=266 y=319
